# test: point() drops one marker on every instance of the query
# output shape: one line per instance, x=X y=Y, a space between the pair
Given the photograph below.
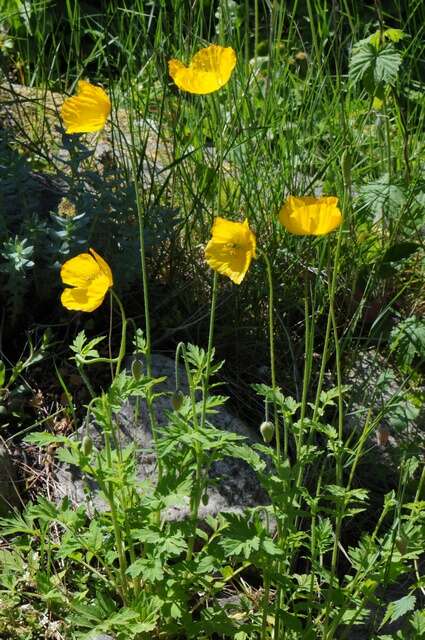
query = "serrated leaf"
x=206 y=565
x=44 y=438
x=383 y=196
x=149 y=568
x=374 y=66
x=398 y=608
x=417 y=622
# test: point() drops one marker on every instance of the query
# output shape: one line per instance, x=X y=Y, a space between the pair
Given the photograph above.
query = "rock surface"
x=375 y=388
x=237 y=486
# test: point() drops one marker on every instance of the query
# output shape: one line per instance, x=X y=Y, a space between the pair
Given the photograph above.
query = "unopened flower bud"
x=87 y=445
x=402 y=544
x=137 y=369
x=346 y=167
x=267 y=431
x=177 y=399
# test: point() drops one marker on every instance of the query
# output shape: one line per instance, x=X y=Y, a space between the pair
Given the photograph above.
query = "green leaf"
x=206 y=565
x=2 y=373
x=387 y=64
x=373 y=66
x=398 y=608
x=395 y=35
x=381 y=196
x=149 y=568
x=240 y=538
x=407 y=340
x=417 y=622
x=18 y=524
x=44 y=438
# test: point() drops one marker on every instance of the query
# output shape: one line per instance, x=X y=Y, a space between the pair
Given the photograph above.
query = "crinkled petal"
x=209 y=70
x=87 y=111
x=79 y=271
x=104 y=267
x=77 y=299
x=310 y=216
x=233 y=263
x=91 y=278
x=234 y=232
x=231 y=248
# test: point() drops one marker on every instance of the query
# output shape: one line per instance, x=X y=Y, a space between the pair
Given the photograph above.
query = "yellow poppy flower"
x=87 y=111
x=209 y=70
x=310 y=216
x=90 y=278
x=231 y=248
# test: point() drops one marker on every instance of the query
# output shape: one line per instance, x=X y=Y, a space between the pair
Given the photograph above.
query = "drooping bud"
x=137 y=369
x=267 y=431
x=402 y=544
x=87 y=445
x=346 y=167
x=177 y=399
x=205 y=499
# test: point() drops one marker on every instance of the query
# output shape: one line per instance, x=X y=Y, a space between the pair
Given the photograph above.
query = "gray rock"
x=237 y=486
x=376 y=390
x=9 y=496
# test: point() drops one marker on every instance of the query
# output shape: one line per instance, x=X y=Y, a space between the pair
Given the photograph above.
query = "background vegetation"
x=327 y=97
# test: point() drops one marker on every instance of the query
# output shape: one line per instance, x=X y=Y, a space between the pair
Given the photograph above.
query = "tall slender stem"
x=123 y=342
x=272 y=360
x=111 y=499
x=148 y=349
x=209 y=348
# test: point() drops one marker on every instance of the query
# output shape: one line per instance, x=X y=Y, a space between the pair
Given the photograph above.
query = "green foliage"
x=407 y=340
x=375 y=67
x=399 y=608
x=324 y=552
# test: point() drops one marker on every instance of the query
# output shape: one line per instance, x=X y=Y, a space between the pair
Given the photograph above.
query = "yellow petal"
x=91 y=278
x=231 y=248
x=209 y=70
x=239 y=233
x=79 y=271
x=104 y=267
x=87 y=111
x=310 y=216
x=232 y=264
x=80 y=300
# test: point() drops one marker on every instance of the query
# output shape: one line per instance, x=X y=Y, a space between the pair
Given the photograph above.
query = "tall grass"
x=292 y=120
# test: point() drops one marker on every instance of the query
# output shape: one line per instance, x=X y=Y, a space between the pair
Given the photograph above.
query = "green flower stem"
x=266 y=576
x=346 y=207
x=273 y=365
x=266 y=587
x=329 y=323
x=332 y=282
x=313 y=542
x=196 y=493
x=307 y=370
x=357 y=583
x=111 y=499
x=148 y=353
x=123 y=343
x=421 y=484
x=215 y=105
x=85 y=378
x=206 y=377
